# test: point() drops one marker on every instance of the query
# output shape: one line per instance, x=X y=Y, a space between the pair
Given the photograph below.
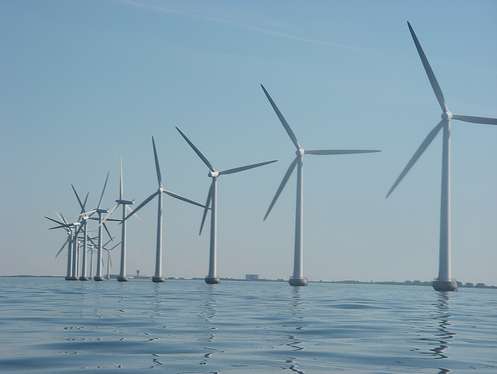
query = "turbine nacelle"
x=447 y=115
x=300 y=152
x=125 y=202
x=214 y=173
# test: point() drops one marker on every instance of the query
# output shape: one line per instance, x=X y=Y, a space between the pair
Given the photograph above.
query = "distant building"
x=251 y=277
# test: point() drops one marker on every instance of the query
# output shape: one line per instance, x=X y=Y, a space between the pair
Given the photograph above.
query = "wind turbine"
x=212 y=277
x=298 y=279
x=72 y=230
x=444 y=282
x=84 y=216
x=160 y=190
x=109 y=260
x=68 y=243
x=125 y=206
x=100 y=211
x=91 y=249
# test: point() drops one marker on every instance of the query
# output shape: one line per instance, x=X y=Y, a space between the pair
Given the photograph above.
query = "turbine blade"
x=62 y=248
x=121 y=187
x=79 y=200
x=62 y=218
x=57 y=227
x=157 y=166
x=283 y=121
x=473 y=119
x=107 y=231
x=110 y=213
x=57 y=222
x=136 y=215
x=338 y=151
x=281 y=186
x=242 y=168
x=91 y=241
x=207 y=204
x=429 y=138
x=179 y=197
x=144 y=202
x=114 y=246
x=429 y=71
x=84 y=202
x=103 y=190
x=196 y=150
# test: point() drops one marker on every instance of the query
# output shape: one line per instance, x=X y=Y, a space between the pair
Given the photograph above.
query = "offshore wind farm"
x=116 y=254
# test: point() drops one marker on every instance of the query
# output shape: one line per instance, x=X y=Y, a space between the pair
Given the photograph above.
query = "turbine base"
x=67 y=278
x=122 y=279
x=444 y=286
x=297 y=282
x=83 y=278
x=72 y=278
x=211 y=280
x=157 y=279
x=98 y=278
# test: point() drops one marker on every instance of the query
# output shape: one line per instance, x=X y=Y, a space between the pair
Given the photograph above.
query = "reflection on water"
x=297 y=316
x=49 y=326
x=156 y=316
x=440 y=338
x=207 y=314
x=443 y=333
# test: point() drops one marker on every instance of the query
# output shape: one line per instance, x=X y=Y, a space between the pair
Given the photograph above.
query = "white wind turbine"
x=84 y=216
x=444 y=282
x=68 y=243
x=100 y=212
x=212 y=277
x=72 y=230
x=298 y=279
x=160 y=190
x=109 y=259
x=125 y=206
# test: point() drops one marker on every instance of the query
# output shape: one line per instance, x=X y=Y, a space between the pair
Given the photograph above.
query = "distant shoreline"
x=394 y=283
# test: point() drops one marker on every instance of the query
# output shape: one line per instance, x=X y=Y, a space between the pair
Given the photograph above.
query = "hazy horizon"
x=86 y=83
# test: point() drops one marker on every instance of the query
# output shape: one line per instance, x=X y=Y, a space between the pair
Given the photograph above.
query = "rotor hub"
x=300 y=152
x=213 y=174
x=447 y=115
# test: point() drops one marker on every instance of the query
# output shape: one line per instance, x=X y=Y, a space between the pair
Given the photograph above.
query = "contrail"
x=258 y=29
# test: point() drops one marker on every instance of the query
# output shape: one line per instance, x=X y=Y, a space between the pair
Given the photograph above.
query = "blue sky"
x=85 y=83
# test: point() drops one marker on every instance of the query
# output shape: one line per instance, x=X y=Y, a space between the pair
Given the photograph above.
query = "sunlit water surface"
x=48 y=325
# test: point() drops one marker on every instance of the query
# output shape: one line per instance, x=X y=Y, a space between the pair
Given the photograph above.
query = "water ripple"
x=52 y=326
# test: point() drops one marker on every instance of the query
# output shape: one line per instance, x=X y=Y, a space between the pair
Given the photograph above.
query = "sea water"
x=49 y=325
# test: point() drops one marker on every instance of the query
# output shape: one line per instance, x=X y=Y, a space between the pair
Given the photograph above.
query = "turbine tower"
x=444 y=282
x=298 y=279
x=212 y=277
x=160 y=190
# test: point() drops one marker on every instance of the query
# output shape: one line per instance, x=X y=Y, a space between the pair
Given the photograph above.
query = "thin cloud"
x=258 y=29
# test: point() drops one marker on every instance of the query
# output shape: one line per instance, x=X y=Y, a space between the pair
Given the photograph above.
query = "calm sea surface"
x=48 y=325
